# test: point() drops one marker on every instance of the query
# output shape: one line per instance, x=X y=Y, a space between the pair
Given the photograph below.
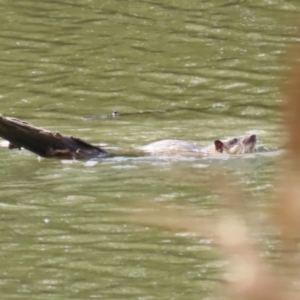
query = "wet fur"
x=235 y=145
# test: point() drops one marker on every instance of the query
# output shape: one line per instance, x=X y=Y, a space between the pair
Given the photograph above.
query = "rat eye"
x=234 y=141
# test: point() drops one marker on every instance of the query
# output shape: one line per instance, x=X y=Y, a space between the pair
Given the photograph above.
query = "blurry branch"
x=291 y=109
x=251 y=276
x=287 y=209
x=172 y=219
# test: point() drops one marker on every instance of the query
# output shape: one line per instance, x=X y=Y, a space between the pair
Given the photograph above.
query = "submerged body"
x=236 y=145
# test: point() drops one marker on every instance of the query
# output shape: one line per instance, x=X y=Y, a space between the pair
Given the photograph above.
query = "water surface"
x=204 y=70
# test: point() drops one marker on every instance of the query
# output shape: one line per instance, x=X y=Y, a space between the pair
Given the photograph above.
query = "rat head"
x=237 y=145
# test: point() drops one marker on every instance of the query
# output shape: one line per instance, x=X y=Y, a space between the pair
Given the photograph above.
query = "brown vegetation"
x=253 y=277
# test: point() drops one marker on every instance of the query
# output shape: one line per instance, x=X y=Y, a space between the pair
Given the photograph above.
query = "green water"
x=212 y=67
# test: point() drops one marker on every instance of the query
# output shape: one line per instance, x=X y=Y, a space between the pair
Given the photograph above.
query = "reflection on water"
x=210 y=69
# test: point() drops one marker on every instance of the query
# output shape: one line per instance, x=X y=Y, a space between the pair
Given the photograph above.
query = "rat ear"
x=219 y=146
